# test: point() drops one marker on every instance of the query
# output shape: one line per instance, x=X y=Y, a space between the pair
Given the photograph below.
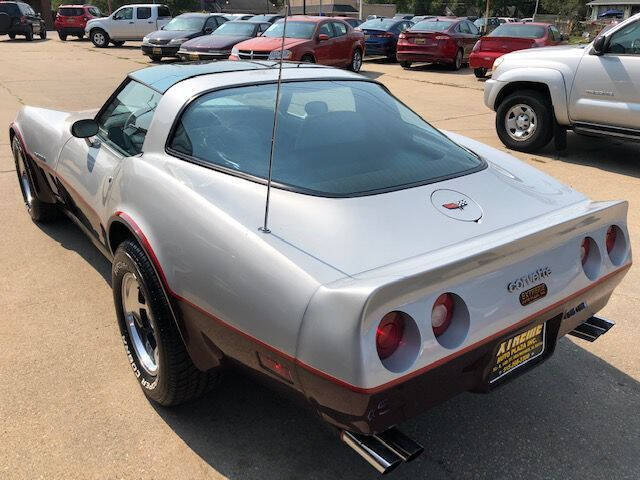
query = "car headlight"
x=145 y=39
x=178 y=40
x=235 y=51
x=275 y=55
x=498 y=61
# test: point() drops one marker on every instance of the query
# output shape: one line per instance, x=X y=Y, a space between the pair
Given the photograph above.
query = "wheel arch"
x=547 y=82
x=122 y=227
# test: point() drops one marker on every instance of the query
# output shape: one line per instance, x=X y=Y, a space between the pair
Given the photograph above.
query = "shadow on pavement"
x=573 y=417
x=608 y=154
x=69 y=236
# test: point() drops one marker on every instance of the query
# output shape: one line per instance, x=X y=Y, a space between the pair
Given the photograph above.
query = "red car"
x=510 y=37
x=443 y=40
x=324 y=40
x=71 y=19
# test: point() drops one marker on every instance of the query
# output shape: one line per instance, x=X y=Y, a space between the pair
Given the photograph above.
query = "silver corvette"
x=402 y=265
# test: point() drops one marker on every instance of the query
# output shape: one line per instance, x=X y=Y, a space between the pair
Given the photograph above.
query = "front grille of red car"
x=251 y=55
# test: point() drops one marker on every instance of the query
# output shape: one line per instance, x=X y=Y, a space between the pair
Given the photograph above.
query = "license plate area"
x=517 y=351
x=157 y=50
x=194 y=56
x=419 y=41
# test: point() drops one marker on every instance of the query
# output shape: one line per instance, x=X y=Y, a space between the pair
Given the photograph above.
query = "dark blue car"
x=381 y=35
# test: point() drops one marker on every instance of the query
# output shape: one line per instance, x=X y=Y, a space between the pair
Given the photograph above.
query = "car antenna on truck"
x=274 y=129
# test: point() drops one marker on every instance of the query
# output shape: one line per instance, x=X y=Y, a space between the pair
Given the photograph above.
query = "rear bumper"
x=70 y=30
x=483 y=59
x=20 y=29
x=425 y=55
x=379 y=48
x=375 y=410
x=162 y=50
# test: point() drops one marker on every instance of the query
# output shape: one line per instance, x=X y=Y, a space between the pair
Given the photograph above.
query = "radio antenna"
x=274 y=129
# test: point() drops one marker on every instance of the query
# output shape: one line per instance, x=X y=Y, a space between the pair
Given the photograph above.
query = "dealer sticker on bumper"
x=517 y=351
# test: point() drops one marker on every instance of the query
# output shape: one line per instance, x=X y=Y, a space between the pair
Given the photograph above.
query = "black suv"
x=18 y=18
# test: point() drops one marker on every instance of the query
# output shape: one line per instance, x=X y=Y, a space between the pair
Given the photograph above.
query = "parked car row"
x=18 y=18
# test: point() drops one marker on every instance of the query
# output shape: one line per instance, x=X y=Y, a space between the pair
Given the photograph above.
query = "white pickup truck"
x=541 y=93
x=130 y=22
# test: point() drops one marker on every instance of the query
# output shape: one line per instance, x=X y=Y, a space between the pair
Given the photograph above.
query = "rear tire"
x=524 y=121
x=12 y=36
x=480 y=72
x=29 y=34
x=43 y=32
x=155 y=58
x=81 y=36
x=457 y=62
x=38 y=211
x=406 y=65
x=356 y=61
x=99 y=38
x=62 y=36
x=152 y=342
x=308 y=59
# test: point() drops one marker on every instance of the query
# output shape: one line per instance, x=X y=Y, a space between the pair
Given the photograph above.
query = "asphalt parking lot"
x=70 y=408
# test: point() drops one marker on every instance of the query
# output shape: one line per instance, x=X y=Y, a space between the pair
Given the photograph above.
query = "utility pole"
x=360 y=10
x=486 y=18
x=304 y=7
x=536 y=11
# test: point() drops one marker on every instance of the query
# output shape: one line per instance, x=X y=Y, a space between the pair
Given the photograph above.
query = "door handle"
x=131 y=23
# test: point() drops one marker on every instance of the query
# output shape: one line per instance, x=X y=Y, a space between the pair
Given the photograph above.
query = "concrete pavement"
x=70 y=408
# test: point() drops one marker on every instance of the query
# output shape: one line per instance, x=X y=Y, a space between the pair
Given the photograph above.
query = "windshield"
x=379 y=24
x=431 y=26
x=334 y=138
x=294 y=30
x=185 y=24
x=518 y=31
x=240 y=29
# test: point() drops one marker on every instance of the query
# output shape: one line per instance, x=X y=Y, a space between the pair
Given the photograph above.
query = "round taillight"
x=389 y=333
x=441 y=314
x=612 y=235
x=584 y=250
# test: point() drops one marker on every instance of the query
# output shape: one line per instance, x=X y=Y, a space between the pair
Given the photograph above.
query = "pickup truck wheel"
x=118 y=43
x=99 y=38
x=29 y=34
x=152 y=342
x=43 y=32
x=524 y=121
x=38 y=211
x=480 y=72
x=62 y=37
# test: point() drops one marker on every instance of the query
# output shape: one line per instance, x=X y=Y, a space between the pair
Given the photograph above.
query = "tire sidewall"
x=128 y=260
x=352 y=65
x=43 y=32
x=544 y=129
x=105 y=43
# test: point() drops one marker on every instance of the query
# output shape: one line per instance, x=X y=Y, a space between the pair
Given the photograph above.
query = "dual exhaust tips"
x=384 y=451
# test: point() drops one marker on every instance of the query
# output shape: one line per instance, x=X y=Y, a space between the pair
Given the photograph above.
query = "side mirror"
x=600 y=45
x=84 y=128
x=323 y=37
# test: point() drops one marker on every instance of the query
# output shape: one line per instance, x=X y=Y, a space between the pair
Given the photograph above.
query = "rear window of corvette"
x=334 y=138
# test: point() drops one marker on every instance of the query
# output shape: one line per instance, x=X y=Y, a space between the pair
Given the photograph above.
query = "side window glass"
x=124 y=14
x=340 y=29
x=143 y=13
x=163 y=11
x=326 y=29
x=211 y=23
x=626 y=41
x=125 y=121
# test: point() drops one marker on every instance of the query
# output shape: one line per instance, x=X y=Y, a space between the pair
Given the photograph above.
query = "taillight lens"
x=389 y=334
x=402 y=36
x=584 y=250
x=443 y=37
x=441 y=314
x=612 y=235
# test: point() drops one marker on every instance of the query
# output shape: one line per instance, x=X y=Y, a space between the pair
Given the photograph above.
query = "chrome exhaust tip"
x=383 y=459
x=592 y=329
x=400 y=444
